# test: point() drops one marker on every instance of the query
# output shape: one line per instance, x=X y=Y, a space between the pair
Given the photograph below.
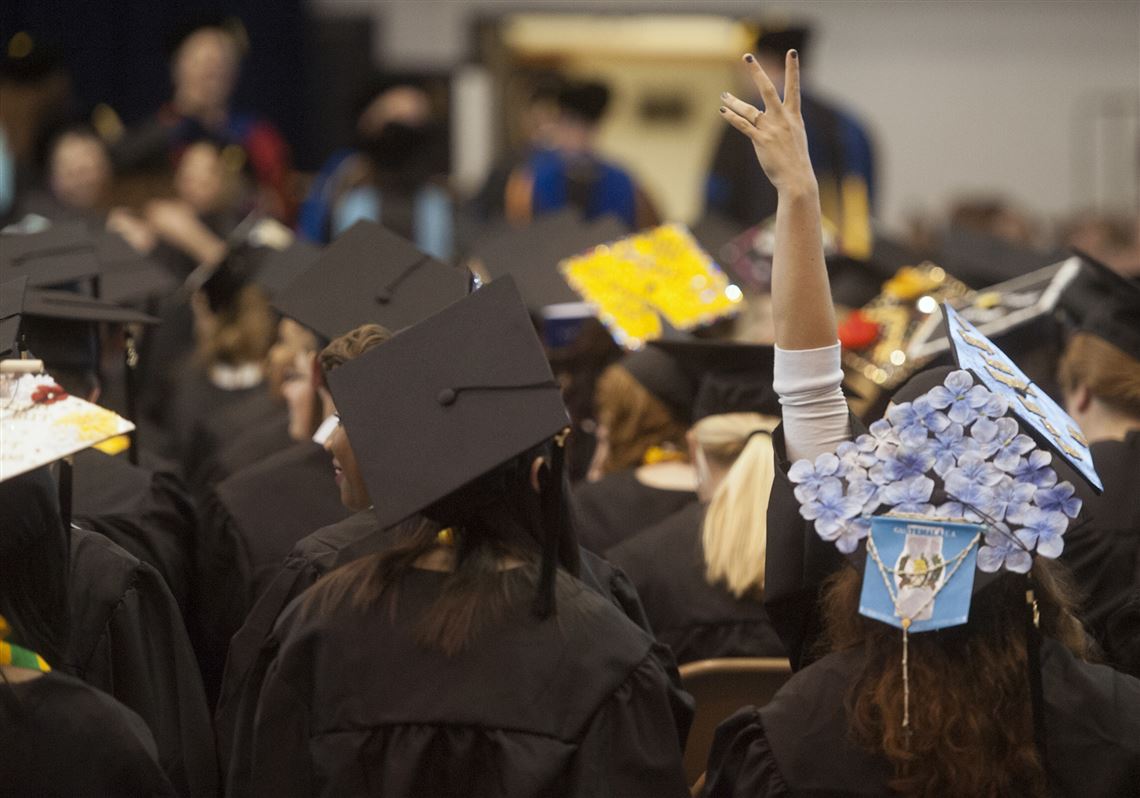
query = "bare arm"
x=801 y=295
x=807 y=370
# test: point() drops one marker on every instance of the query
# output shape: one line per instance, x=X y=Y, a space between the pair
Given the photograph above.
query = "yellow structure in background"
x=692 y=57
x=635 y=282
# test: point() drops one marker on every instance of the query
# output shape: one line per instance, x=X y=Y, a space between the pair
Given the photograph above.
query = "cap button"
x=383 y=296
x=446 y=397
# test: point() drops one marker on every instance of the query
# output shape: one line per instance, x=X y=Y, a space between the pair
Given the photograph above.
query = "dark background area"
x=301 y=73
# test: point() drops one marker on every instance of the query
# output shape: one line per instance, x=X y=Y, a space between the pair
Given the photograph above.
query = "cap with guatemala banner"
x=640 y=284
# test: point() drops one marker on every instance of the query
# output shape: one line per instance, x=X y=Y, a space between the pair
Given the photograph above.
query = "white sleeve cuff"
x=815 y=412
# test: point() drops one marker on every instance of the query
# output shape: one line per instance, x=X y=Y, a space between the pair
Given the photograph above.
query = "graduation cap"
x=280 y=267
x=64 y=253
x=980 y=259
x=1034 y=408
x=1005 y=313
x=642 y=283
x=1104 y=303
x=463 y=391
x=531 y=254
x=370 y=275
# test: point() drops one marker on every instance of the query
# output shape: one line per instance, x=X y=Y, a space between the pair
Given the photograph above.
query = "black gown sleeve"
x=741 y=762
x=136 y=649
x=631 y=747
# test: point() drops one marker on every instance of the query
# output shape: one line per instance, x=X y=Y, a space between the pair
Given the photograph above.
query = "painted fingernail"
x=723 y=109
x=795 y=54
x=724 y=95
x=748 y=57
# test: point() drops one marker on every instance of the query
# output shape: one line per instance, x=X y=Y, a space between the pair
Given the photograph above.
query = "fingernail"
x=723 y=109
x=795 y=54
x=748 y=57
x=724 y=95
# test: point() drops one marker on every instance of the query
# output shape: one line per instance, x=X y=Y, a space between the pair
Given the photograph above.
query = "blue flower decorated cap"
x=1035 y=409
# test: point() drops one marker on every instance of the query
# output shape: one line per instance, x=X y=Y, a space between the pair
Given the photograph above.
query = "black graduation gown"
x=695 y=619
x=128 y=639
x=576 y=705
x=618 y=505
x=249 y=448
x=249 y=524
x=146 y=512
x=1104 y=554
x=255 y=645
x=60 y=737
x=798 y=745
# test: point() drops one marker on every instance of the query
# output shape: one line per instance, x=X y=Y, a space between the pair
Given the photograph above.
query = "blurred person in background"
x=1112 y=239
x=205 y=60
x=392 y=176
x=842 y=154
x=571 y=173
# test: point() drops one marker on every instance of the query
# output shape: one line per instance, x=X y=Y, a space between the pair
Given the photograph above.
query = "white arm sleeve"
x=816 y=418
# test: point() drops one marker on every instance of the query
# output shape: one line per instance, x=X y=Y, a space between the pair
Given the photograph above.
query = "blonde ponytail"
x=734 y=535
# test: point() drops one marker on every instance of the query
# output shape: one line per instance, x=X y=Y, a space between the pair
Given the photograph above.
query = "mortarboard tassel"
x=544 y=605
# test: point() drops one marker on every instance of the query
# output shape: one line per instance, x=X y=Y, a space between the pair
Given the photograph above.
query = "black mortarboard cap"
x=980 y=259
x=1104 y=303
x=57 y=326
x=238 y=269
x=448 y=400
x=280 y=267
x=61 y=254
x=663 y=376
x=370 y=275
x=729 y=376
x=531 y=254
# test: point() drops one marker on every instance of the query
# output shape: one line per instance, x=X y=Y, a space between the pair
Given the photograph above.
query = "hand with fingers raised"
x=777 y=132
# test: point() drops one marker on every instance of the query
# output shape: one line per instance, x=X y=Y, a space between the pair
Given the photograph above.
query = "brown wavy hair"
x=971 y=728
x=635 y=419
x=244 y=331
x=1110 y=375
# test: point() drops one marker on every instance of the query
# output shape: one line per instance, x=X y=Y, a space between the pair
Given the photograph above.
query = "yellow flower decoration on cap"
x=636 y=281
x=16 y=656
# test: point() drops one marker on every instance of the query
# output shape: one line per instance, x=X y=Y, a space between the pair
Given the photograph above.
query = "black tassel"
x=1033 y=651
x=551 y=499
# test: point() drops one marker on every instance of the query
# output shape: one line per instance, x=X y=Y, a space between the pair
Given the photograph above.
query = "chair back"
x=720 y=687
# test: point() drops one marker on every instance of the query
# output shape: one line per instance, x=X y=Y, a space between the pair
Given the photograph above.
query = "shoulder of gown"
x=128 y=639
x=61 y=737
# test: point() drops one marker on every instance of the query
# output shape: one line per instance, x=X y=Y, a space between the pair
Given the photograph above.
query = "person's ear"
x=1082 y=398
x=536 y=469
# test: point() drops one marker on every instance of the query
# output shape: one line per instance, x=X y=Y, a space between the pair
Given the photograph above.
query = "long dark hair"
x=971 y=713
x=34 y=565
x=494 y=516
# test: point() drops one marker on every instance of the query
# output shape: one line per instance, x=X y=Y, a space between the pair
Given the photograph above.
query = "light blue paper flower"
x=991 y=435
x=810 y=477
x=996 y=407
x=909 y=495
x=960 y=397
x=1035 y=470
x=956 y=511
x=1058 y=499
x=867 y=493
x=883 y=433
x=904 y=463
x=1044 y=530
x=1010 y=497
x=850 y=467
x=914 y=421
x=853 y=531
x=949 y=446
x=1002 y=548
x=972 y=482
x=830 y=509
x=1011 y=451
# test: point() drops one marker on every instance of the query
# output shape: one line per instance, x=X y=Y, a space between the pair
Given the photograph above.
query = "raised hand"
x=777 y=132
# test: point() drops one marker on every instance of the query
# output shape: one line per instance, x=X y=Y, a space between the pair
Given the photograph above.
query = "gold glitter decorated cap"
x=40 y=423
x=662 y=275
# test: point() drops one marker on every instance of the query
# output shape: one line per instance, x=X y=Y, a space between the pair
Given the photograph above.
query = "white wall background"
x=963 y=97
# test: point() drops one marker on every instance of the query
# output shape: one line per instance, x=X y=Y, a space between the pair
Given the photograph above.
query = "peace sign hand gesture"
x=777 y=133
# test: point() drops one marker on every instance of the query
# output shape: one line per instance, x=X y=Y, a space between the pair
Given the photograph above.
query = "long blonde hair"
x=735 y=531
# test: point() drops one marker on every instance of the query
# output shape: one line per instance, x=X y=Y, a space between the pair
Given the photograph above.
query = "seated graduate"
x=126 y=636
x=479 y=601
x=59 y=736
x=700 y=572
x=146 y=511
x=641 y=473
x=896 y=711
